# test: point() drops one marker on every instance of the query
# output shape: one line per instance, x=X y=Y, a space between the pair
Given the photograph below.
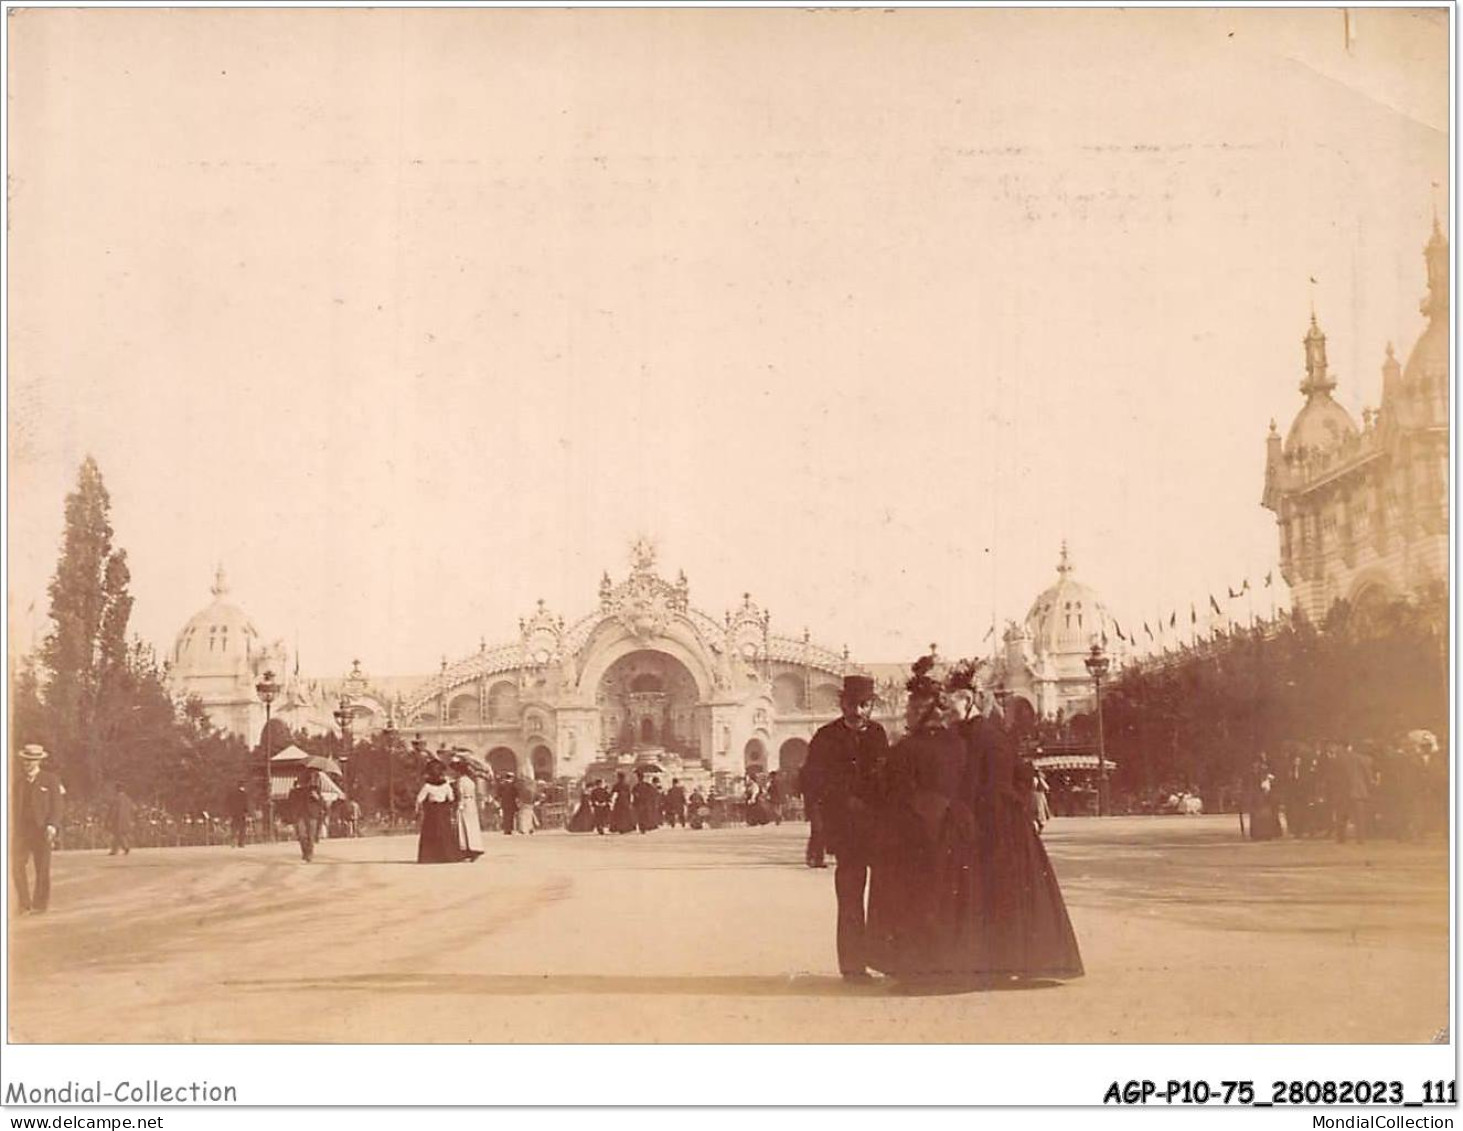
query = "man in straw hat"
x=842 y=785
x=36 y=821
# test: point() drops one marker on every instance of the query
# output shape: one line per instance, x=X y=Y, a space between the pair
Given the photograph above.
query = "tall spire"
x=1064 y=566
x=1435 y=305
x=220 y=585
x=1317 y=379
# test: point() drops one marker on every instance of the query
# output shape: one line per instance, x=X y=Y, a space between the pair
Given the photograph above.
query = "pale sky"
x=412 y=317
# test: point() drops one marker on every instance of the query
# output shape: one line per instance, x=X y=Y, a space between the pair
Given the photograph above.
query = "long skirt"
x=1041 y=812
x=438 y=841
x=527 y=819
x=469 y=829
x=583 y=819
x=622 y=817
x=1011 y=919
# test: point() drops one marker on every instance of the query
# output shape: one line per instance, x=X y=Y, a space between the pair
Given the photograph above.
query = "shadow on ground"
x=535 y=985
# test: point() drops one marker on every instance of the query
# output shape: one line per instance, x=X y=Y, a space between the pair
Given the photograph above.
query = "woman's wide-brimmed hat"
x=33 y=752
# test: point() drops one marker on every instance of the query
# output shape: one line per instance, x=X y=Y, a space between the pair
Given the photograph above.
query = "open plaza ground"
x=1188 y=932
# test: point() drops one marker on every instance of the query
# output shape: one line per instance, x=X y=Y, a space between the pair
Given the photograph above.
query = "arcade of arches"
x=643 y=677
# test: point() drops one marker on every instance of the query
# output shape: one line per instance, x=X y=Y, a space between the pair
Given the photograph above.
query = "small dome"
x=219 y=640
x=1066 y=617
x=1320 y=424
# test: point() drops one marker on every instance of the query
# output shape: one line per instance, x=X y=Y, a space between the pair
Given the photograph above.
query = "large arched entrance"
x=647 y=701
x=502 y=761
x=543 y=763
x=790 y=758
x=755 y=756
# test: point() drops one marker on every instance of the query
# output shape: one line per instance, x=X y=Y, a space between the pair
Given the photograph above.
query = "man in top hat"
x=842 y=782
x=36 y=821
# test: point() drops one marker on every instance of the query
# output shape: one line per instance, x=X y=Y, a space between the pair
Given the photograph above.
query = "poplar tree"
x=85 y=655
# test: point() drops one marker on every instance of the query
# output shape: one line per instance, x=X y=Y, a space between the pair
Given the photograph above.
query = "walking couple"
x=936 y=831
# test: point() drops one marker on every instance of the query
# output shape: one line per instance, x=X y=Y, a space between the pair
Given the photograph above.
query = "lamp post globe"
x=267 y=689
x=1097 y=666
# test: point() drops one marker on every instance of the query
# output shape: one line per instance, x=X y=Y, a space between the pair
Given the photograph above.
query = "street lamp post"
x=1097 y=665
x=391 y=736
x=343 y=720
x=267 y=689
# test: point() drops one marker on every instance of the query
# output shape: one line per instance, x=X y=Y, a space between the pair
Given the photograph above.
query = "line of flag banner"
x=1172 y=620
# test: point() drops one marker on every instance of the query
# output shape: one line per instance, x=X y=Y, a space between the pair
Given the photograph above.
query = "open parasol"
x=472 y=760
x=324 y=765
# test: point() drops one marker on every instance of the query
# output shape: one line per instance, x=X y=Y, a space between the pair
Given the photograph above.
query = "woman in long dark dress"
x=917 y=881
x=1014 y=923
x=437 y=805
x=622 y=808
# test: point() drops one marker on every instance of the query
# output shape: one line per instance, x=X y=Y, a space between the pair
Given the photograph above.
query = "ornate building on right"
x=1363 y=512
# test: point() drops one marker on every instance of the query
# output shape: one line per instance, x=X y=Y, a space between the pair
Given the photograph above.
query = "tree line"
x=1366 y=674
x=98 y=699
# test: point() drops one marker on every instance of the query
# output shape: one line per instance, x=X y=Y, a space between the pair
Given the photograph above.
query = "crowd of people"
x=1397 y=789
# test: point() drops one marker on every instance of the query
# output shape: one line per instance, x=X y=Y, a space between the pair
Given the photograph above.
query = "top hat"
x=857 y=688
x=34 y=752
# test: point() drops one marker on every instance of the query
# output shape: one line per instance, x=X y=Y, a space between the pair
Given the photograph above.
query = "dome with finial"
x=1068 y=616
x=1427 y=364
x=1321 y=423
x=218 y=640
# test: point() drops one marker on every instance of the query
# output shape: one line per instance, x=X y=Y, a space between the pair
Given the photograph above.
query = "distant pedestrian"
x=674 y=805
x=307 y=810
x=1351 y=779
x=526 y=816
x=775 y=796
x=238 y=810
x=36 y=819
x=599 y=804
x=699 y=812
x=120 y=815
x=622 y=806
x=644 y=799
x=508 y=802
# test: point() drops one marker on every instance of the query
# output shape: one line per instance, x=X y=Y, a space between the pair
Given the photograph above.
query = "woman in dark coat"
x=926 y=834
x=622 y=808
x=438 y=808
x=1015 y=922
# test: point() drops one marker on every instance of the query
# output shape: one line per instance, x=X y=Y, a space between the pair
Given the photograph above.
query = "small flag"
x=1173 y=618
x=1245 y=588
x=1269 y=577
x=1118 y=629
x=1232 y=593
x=1213 y=604
x=1193 y=616
x=1148 y=630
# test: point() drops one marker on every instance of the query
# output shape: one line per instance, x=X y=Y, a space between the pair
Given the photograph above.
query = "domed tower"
x=217 y=658
x=1321 y=424
x=1064 y=621
x=1363 y=515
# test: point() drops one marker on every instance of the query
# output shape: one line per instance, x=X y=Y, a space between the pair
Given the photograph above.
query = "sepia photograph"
x=727 y=528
